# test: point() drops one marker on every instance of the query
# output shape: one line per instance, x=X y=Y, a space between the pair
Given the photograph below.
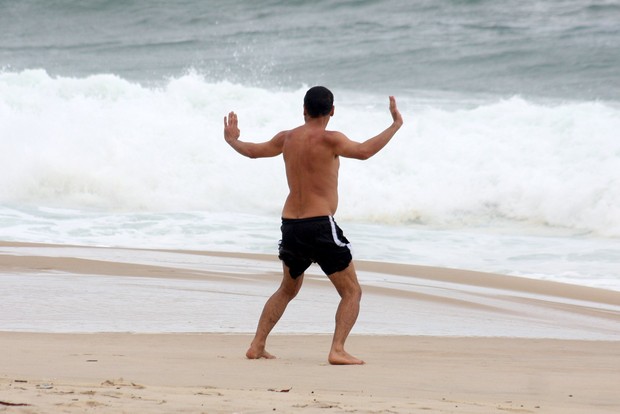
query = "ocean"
x=111 y=118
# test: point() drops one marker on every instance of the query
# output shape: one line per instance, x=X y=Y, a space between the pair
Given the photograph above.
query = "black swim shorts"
x=314 y=240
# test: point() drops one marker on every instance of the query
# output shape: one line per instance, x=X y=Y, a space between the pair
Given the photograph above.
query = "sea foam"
x=104 y=143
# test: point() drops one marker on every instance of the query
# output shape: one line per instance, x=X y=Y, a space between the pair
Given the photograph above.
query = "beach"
x=207 y=373
x=506 y=344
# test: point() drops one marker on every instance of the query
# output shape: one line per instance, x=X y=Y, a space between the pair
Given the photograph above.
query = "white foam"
x=105 y=143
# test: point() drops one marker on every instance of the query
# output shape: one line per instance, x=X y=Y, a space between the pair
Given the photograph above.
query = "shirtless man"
x=309 y=232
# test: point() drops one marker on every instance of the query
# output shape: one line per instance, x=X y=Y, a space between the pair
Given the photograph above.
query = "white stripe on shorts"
x=335 y=236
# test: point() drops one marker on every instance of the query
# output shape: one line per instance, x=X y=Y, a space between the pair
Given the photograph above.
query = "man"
x=309 y=232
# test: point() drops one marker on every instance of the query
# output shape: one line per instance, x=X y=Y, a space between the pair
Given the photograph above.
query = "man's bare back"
x=311 y=157
x=311 y=172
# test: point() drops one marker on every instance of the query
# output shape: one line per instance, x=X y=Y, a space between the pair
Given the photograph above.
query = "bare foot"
x=343 y=358
x=258 y=353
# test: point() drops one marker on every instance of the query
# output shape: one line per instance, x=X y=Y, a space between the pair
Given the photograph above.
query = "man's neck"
x=318 y=122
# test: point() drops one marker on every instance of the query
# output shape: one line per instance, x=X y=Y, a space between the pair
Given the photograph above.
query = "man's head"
x=319 y=101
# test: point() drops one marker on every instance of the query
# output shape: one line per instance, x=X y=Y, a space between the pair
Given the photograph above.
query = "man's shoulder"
x=282 y=135
x=333 y=135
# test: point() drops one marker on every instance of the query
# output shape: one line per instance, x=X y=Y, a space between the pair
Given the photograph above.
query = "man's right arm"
x=265 y=149
x=364 y=150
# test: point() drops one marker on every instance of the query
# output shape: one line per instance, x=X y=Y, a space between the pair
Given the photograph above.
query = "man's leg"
x=272 y=312
x=350 y=293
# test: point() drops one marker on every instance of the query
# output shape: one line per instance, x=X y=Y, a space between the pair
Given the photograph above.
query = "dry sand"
x=207 y=372
x=195 y=373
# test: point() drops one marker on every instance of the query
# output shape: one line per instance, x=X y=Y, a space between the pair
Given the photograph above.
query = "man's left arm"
x=265 y=149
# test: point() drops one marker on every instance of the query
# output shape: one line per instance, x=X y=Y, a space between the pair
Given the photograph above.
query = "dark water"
x=567 y=49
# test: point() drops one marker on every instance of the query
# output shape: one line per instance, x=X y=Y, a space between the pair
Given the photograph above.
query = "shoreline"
x=139 y=290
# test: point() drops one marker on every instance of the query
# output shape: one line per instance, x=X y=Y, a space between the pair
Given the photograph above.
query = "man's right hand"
x=396 y=116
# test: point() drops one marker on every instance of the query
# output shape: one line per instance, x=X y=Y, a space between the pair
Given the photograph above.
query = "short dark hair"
x=318 y=101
